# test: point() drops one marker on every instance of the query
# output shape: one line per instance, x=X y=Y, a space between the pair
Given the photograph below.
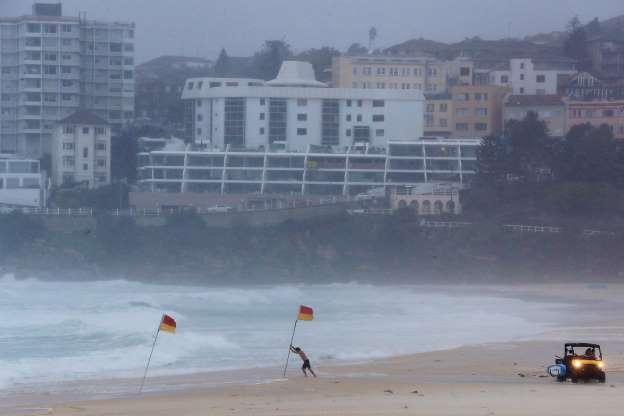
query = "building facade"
x=597 y=112
x=586 y=86
x=295 y=111
x=21 y=182
x=549 y=108
x=533 y=77
x=607 y=56
x=438 y=115
x=316 y=171
x=51 y=66
x=426 y=74
x=81 y=151
x=477 y=110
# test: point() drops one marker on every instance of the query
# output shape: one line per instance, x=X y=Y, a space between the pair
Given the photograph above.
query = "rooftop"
x=296 y=74
x=84 y=117
x=533 y=100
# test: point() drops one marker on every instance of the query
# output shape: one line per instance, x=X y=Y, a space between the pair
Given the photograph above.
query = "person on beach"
x=306 y=361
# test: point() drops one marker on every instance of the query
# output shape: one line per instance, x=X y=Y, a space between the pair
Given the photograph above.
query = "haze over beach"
x=341 y=207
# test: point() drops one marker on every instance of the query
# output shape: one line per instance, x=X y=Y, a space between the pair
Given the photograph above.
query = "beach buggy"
x=580 y=361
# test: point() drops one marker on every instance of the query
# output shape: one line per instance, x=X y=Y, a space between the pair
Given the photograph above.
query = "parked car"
x=6 y=210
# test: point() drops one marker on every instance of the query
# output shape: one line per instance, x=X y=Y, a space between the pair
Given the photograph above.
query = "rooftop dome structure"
x=296 y=74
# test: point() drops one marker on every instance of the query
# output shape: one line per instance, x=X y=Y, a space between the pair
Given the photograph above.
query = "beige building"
x=427 y=74
x=549 y=108
x=81 y=150
x=477 y=110
x=596 y=113
x=438 y=115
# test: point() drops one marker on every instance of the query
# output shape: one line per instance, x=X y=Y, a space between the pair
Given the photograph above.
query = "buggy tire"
x=561 y=379
x=602 y=378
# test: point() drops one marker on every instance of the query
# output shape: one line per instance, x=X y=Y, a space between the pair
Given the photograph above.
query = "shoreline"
x=389 y=370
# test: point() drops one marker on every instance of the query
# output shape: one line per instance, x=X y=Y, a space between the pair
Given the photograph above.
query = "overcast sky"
x=202 y=27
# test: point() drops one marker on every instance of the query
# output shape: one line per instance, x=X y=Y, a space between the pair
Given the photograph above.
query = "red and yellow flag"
x=305 y=313
x=168 y=324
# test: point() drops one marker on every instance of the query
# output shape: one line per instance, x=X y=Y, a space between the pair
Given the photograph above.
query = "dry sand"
x=491 y=379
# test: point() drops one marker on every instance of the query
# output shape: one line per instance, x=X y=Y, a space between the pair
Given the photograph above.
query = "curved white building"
x=295 y=111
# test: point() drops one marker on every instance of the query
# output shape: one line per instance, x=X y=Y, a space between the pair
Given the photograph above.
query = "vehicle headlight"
x=577 y=364
x=601 y=365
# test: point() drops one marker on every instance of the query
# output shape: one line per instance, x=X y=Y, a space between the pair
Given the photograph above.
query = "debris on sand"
x=415 y=392
x=388 y=391
x=521 y=375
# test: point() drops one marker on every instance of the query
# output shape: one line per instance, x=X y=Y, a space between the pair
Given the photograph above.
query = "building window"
x=68 y=161
x=481 y=126
x=443 y=108
x=443 y=122
x=504 y=79
x=67 y=28
x=464 y=71
x=380 y=132
x=348 y=103
x=381 y=71
x=521 y=90
x=359 y=117
x=359 y=103
x=378 y=118
x=348 y=117
x=68 y=130
x=348 y=132
x=277 y=119
x=302 y=117
x=85 y=130
x=521 y=65
x=85 y=152
x=262 y=116
x=540 y=78
x=462 y=112
x=361 y=134
x=68 y=146
x=481 y=112
x=85 y=166
x=262 y=101
x=430 y=108
x=101 y=163
x=302 y=132
x=199 y=131
x=100 y=131
x=234 y=121
x=330 y=116
x=261 y=130
x=540 y=91
x=462 y=97
x=100 y=146
x=200 y=117
x=302 y=102
x=379 y=103
x=521 y=77
x=461 y=126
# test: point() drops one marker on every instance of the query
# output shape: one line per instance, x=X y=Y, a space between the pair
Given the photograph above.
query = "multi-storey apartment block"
x=81 y=149
x=439 y=115
x=427 y=74
x=477 y=110
x=21 y=182
x=318 y=170
x=533 y=77
x=51 y=65
x=295 y=111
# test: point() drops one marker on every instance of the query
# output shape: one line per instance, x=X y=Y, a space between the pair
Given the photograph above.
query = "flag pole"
x=291 y=341
x=150 y=357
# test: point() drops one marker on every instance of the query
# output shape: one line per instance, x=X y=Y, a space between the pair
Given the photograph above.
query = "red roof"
x=84 y=117
x=534 y=100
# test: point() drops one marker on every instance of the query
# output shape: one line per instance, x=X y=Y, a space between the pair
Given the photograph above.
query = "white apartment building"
x=52 y=65
x=527 y=76
x=21 y=182
x=294 y=111
x=81 y=151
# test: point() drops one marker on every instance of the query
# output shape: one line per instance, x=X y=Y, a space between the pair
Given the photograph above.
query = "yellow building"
x=399 y=72
x=438 y=115
x=477 y=110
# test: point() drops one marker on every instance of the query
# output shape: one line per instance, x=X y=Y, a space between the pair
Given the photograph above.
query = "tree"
x=529 y=148
x=575 y=44
x=222 y=66
x=267 y=62
x=593 y=28
x=124 y=149
x=589 y=154
x=372 y=35
x=321 y=60
x=357 y=49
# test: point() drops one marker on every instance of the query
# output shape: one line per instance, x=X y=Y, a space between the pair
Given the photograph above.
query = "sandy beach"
x=491 y=379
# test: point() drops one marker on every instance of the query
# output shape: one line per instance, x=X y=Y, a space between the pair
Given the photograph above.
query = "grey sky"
x=202 y=27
